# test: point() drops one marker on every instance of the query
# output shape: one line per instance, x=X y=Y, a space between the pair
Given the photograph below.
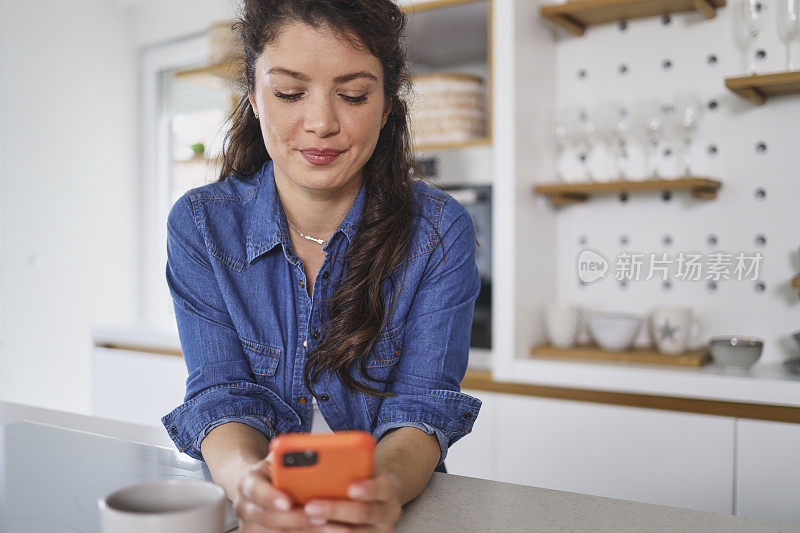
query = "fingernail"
x=356 y=491
x=282 y=504
x=313 y=508
x=317 y=521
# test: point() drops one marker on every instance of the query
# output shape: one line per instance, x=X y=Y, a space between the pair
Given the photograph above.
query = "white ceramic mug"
x=674 y=329
x=170 y=505
x=561 y=322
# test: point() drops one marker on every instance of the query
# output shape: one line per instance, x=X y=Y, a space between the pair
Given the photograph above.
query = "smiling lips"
x=320 y=157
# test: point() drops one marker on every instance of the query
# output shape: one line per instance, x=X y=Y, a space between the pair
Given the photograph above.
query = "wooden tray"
x=696 y=357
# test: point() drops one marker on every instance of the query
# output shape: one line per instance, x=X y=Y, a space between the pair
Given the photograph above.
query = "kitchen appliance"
x=478 y=201
x=53 y=477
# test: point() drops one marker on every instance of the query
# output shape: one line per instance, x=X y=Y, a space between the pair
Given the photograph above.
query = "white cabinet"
x=679 y=459
x=136 y=386
x=475 y=454
x=768 y=470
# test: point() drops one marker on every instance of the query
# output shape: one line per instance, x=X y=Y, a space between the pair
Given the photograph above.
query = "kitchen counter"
x=453 y=503
x=767 y=391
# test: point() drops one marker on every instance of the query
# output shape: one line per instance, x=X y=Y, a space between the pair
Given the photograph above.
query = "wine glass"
x=748 y=22
x=788 y=26
x=561 y=138
x=588 y=141
x=568 y=136
x=650 y=131
x=613 y=126
x=688 y=113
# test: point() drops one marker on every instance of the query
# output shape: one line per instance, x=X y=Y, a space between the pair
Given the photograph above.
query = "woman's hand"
x=374 y=505
x=262 y=508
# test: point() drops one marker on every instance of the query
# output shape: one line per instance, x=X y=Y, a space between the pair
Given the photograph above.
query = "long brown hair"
x=356 y=308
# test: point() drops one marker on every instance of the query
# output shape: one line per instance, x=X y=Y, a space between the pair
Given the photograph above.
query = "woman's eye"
x=290 y=97
x=355 y=99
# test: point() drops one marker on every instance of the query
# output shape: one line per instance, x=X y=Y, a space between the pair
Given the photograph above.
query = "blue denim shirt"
x=246 y=321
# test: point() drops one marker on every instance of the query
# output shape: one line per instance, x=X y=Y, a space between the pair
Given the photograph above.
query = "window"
x=183 y=129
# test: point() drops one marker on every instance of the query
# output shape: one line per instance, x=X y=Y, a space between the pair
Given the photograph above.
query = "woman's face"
x=315 y=92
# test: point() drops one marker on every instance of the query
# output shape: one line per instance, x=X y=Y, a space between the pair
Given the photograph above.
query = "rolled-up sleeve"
x=435 y=352
x=220 y=387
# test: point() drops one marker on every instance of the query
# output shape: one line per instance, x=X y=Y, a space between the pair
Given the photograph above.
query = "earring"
x=256 y=114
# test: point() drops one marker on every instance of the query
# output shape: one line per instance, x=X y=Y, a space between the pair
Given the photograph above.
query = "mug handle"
x=697 y=329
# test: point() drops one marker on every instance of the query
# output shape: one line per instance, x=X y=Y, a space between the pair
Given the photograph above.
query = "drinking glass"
x=568 y=135
x=612 y=127
x=788 y=26
x=748 y=22
x=650 y=131
x=688 y=113
x=588 y=141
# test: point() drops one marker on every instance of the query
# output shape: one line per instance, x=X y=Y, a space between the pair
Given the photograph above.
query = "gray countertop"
x=460 y=504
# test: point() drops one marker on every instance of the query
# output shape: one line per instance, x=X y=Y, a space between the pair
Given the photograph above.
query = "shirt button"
x=324 y=398
x=302 y=285
x=467 y=415
x=325 y=275
x=173 y=431
x=302 y=399
x=305 y=343
x=397 y=352
x=315 y=335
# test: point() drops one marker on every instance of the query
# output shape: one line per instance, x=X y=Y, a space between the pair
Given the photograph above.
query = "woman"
x=315 y=285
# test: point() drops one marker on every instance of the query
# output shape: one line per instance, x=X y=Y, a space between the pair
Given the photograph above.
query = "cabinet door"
x=136 y=386
x=768 y=470
x=474 y=455
x=646 y=455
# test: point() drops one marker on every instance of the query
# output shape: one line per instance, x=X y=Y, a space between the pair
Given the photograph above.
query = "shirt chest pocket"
x=384 y=355
x=263 y=360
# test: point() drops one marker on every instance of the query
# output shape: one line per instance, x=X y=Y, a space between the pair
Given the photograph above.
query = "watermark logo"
x=591 y=266
x=684 y=266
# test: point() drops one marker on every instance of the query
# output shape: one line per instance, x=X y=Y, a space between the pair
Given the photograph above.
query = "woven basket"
x=447 y=108
x=224 y=43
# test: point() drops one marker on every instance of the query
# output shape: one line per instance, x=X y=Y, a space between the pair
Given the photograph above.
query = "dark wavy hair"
x=356 y=308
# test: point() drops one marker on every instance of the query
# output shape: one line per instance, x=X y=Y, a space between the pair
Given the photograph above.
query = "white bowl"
x=614 y=331
x=740 y=352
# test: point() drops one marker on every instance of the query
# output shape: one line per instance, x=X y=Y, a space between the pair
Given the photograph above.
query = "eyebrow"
x=338 y=79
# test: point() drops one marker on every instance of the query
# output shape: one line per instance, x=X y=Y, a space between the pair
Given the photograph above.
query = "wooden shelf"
x=434 y=4
x=199 y=161
x=572 y=193
x=576 y=15
x=697 y=357
x=484 y=141
x=757 y=88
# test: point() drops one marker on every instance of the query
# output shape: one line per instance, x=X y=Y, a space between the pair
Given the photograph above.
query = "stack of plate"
x=447 y=108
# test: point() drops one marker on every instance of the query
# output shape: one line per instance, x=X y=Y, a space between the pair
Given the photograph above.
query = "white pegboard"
x=736 y=217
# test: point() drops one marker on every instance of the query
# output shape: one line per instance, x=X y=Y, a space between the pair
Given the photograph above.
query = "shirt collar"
x=268 y=226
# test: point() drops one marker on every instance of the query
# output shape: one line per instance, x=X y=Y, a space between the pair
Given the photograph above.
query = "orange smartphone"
x=309 y=466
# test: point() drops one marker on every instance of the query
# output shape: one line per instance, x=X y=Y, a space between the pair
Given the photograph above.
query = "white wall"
x=154 y=21
x=68 y=141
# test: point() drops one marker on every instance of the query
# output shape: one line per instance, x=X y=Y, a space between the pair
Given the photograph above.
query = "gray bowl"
x=736 y=351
